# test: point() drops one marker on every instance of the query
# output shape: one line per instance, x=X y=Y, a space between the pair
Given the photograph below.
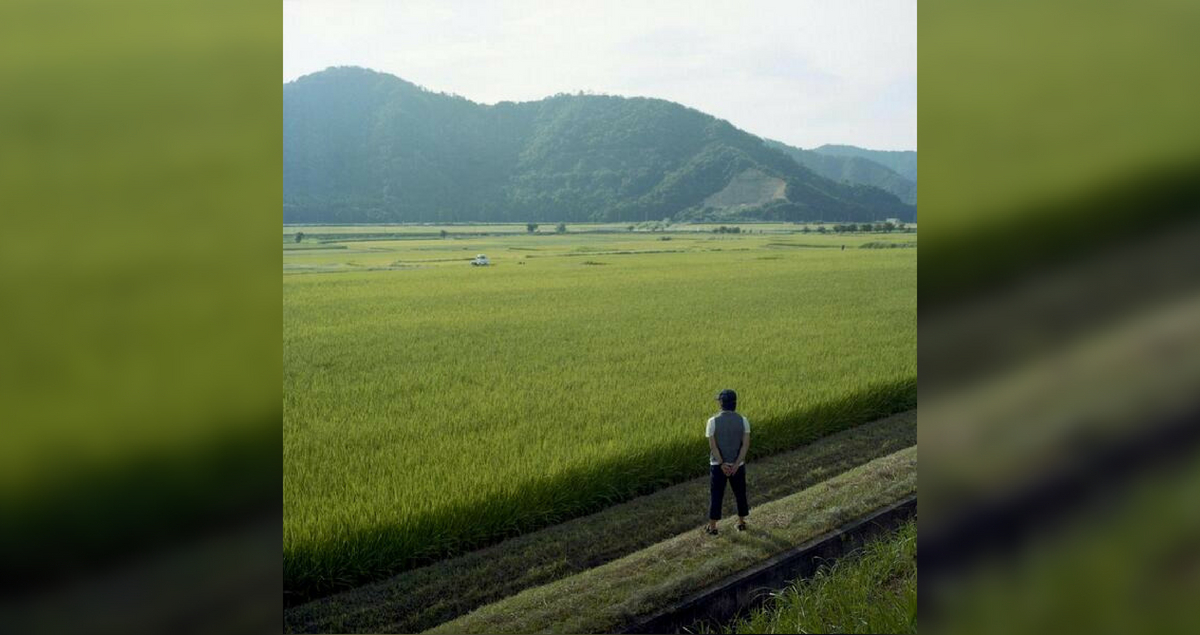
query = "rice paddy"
x=431 y=407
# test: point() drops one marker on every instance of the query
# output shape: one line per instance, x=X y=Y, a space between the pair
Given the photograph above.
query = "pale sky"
x=799 y=71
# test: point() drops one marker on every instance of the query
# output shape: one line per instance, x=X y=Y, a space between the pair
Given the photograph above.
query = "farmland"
x=611 y=598
x=431 y=407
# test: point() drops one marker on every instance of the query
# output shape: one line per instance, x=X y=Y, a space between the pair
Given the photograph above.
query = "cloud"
x=802 y=72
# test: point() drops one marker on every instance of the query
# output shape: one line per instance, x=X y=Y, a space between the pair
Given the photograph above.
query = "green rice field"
x=431 y=407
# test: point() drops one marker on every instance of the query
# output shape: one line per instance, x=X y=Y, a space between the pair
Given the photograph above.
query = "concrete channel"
x=749 y=588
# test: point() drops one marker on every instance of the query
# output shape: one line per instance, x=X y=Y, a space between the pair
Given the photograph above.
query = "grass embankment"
x=613 y=596
x=438 y=410
x=873 y=590
x=423 y=598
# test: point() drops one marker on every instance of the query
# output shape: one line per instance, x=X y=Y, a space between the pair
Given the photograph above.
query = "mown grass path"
x=616 y=595
x=422 y=598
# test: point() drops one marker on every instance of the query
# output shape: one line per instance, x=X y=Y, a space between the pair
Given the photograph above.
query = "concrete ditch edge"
x=748 y=589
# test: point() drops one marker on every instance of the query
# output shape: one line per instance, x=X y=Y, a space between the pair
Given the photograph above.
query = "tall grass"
x=873 y=590
x=431 y=411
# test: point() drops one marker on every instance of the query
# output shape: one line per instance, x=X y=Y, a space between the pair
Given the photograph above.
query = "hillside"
x=362 y=146
x=853 y=169
x=902 y=162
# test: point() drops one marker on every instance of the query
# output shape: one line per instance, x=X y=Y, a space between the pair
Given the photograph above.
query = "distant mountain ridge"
x=852 y=168
x=902 y=162
x=363 y=146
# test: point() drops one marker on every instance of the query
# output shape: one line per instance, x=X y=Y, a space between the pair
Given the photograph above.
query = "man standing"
x=728 y=440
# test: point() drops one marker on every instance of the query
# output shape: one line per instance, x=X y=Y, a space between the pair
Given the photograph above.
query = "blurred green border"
x=140 y=149
x=1048 y=131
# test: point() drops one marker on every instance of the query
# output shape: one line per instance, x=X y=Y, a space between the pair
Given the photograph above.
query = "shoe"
x=741 y=526
x=710 y=530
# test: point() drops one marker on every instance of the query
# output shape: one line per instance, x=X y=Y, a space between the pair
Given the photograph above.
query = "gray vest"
x=727 y=430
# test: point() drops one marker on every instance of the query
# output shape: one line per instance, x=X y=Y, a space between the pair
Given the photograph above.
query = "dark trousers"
x=717 y=491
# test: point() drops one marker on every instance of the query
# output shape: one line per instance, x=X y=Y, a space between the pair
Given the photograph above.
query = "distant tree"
x=806 y=230
x=821 y=229
x=864 y=227
x=299 y=236
x=901 y=226
x=443 y=233
x=531 y=227
x=631 y=227
x=561 y=228
x=888 y=227
x=879 y=227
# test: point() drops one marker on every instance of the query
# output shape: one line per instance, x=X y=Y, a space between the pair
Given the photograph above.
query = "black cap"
x=727 y=396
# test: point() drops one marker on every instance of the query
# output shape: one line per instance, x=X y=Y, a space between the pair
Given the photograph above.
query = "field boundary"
x=318 y=568
x=748 y=589
x=621 y=594
x=422 y=598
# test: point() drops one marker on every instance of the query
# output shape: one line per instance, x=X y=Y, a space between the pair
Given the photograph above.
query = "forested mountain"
x=853 y=169
x=362 y=146
x=902 y=162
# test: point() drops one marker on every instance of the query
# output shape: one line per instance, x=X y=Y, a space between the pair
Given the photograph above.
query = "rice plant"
x=435 y=409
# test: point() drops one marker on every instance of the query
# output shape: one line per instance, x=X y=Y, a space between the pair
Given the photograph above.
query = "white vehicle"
x=480 y=261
